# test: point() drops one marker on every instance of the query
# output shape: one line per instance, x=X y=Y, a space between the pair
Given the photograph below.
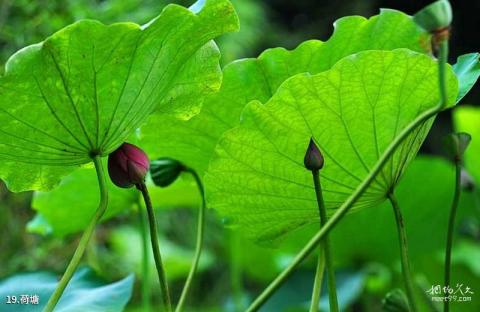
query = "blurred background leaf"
x=85 y=292
x=125 y=242
x=66 y=212
x=467 y=119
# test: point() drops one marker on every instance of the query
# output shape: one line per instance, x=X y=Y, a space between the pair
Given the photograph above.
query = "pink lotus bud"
x=127 y=165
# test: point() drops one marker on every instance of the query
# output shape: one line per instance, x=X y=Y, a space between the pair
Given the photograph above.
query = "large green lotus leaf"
x=66 y=212
x=193 y=141
x=87 y=87
x=85 y=292
x=467 y=119
x=353 y=112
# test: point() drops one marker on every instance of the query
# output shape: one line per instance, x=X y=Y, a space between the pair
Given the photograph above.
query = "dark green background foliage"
x=233 y=269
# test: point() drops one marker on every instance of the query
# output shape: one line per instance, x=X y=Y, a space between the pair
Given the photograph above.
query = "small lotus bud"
x=395 y=301
x=456 y=144
x=127 y=165
x=165 y=171
x=434 y=17
x=313 y=160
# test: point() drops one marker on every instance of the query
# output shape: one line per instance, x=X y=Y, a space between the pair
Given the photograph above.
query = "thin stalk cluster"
x=325 y=256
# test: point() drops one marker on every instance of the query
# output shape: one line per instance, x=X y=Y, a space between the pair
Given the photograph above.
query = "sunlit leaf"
x=85 y=89
x=192 y=142
x=353 y=112
x=85 y=292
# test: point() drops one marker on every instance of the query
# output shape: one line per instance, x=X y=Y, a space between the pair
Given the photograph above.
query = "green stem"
x=402 y=238
x=92 y=254
x=345 y=207
x=317 y=285
x=450 y=231
x=199 y=242
x=443 y=58
x=332 y=290
x=82 y=245
x=146 y=291
x=235 y=269
x=155 y=247
x=442 y=78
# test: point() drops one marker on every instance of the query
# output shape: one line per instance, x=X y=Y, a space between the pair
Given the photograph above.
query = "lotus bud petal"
x=313 y=160
x=434 y=17
x=456 y=144
x=165 y=171
x=128 y=166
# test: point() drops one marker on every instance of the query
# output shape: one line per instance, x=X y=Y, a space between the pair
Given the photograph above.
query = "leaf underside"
x=193 y=141
x=86 y=88
x=353 y=111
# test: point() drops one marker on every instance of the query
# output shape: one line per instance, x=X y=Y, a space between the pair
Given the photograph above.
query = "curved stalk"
x=325 y=246
x=343 y=209
x=450 y=231
x=235 y=269
x=442 y=63
x=317 y=285
x=402 y=238
x=146 y=291
x=155 y=247
x=82 y=245
x=199 y=242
